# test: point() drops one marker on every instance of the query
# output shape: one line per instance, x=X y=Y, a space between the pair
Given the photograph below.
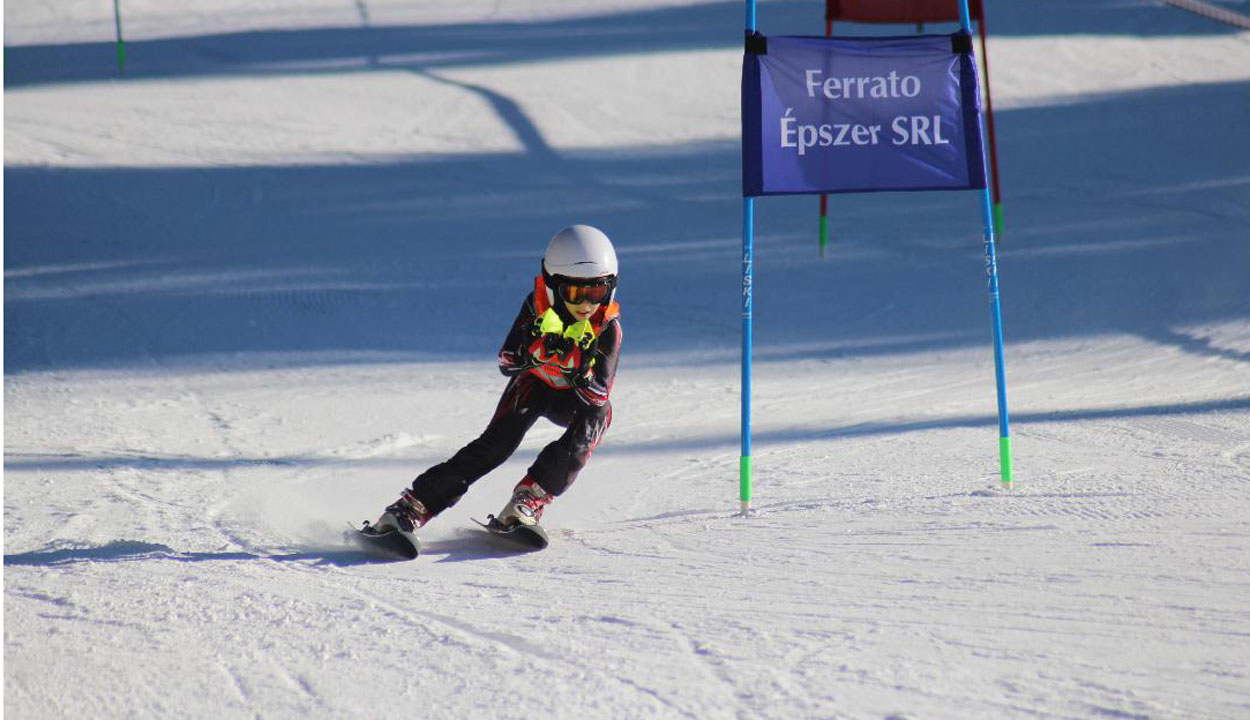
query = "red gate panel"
x=898 y=11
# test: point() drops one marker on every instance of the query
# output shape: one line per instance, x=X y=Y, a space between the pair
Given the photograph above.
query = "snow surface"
x=255 y=284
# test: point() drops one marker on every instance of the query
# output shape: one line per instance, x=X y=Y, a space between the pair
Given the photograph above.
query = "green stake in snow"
x=824 y=224
x=121 y=44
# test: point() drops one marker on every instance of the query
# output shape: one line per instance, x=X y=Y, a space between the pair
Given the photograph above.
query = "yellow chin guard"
x=581 y=333
x=549 y=323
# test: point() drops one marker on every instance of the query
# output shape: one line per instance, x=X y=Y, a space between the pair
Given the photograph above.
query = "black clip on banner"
x=757 y=43
x=961 y=43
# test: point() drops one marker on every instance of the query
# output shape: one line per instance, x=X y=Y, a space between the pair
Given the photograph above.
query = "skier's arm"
x=514 y=357
x=595 y=385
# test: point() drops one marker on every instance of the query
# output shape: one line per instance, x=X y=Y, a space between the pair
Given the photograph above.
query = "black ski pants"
x=525 y=399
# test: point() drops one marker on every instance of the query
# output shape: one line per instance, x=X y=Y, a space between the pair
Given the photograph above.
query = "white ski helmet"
x=579 y=253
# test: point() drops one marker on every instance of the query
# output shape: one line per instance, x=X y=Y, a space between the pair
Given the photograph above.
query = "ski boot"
x=520 y=517
x=395 y=531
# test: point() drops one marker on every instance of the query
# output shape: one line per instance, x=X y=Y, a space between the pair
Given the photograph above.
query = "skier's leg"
x=523 y=402
x=559 y=463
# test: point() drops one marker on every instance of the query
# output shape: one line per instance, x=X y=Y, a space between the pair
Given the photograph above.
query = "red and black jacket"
x=589 y=372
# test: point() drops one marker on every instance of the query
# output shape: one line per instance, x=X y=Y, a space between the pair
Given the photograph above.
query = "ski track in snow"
x=255 y=285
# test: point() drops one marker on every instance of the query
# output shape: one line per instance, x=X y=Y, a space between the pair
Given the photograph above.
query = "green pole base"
x=121 y=41
x=824 y=234
x=1004 y=458
x=998 y=222
x=744 y=482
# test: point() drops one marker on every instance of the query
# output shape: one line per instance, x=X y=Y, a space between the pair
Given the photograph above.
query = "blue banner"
x=847 y=115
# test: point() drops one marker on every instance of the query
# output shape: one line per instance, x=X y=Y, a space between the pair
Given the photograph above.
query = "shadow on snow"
x=727 y=442
x=429 y=258
x=459 y=549
x=126 y=550
x=714 y=25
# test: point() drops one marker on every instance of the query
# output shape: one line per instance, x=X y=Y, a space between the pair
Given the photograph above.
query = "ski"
x=531 y=537
x=390 y=544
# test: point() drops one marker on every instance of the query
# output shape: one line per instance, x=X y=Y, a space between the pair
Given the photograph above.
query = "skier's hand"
x=557 y=345
x=525 y=359
x=517 y=360
x=581 y=378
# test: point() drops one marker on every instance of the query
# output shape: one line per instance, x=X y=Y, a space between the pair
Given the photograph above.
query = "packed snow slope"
x=255 y=284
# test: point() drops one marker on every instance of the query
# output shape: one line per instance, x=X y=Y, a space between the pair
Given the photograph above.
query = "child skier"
x=561 y=357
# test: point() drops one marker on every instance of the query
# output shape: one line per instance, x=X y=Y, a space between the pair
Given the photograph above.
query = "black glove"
x=525 y=359
x=580 y=378
x=583 y=374
x=557 y=345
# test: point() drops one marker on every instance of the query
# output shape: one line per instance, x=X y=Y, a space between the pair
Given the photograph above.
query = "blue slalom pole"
x=748 y=263
x=748 y=271
x=996 y=315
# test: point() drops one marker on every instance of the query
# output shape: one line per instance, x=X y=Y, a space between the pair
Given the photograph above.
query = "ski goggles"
x=577 y=293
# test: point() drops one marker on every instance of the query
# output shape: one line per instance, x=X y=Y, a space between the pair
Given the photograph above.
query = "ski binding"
x=392 y=544
x=532 y=537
